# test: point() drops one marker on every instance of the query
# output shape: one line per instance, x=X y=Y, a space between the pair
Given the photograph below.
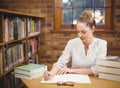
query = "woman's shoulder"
x=77 y=39
x=100 y=41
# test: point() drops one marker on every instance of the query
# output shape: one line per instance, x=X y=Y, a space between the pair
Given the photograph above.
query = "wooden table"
x=95 y=83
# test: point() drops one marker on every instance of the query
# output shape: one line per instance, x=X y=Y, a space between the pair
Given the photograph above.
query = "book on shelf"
x=14 y=54
x=33 y=45
x=14 y=27
x=14 y=45
x=30 y=69
x=33 y=26
x=1 y=63
x=9 y=81
x=33 y=59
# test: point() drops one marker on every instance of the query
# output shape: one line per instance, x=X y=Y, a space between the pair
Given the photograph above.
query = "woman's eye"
x=83 y=32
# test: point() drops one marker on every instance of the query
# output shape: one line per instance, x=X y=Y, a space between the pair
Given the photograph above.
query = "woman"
x=82 y=51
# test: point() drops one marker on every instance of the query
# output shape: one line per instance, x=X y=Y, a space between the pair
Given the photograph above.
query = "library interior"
x=60 y=43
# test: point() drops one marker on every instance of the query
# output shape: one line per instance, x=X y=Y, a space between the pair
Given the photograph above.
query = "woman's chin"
x=83 y=41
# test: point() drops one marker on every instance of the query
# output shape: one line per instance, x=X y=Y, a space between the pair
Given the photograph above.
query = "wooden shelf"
x=13 y=41
x=15 y=27
x=1 y=44
x=20 y=13
x=33 y=36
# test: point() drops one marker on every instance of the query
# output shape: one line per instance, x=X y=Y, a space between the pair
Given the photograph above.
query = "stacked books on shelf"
x=109 y=68
x=1 y=63
x=30 y=71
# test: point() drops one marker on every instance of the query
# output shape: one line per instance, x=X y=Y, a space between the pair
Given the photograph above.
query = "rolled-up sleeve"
x=101 y=54
x=65 y=57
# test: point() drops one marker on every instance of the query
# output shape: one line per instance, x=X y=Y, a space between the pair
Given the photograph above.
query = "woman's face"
x=85 y=33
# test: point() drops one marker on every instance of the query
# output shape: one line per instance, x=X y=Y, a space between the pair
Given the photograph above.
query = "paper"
x=77 y=78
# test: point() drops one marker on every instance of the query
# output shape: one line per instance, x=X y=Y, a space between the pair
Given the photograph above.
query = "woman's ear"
x=93 y=28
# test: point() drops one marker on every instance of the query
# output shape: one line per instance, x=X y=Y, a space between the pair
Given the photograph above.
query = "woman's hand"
x=62 y=71
x=47 y=75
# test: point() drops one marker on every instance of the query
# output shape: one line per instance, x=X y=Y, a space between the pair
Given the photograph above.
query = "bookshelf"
x=19 y=39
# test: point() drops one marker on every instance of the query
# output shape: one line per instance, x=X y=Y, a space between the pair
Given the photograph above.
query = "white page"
x=77 y=78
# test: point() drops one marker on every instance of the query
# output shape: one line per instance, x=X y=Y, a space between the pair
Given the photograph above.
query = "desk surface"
x=95 y=83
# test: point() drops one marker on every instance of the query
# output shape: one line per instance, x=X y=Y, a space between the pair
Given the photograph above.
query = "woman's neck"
x=86 y=45
x=90 y=41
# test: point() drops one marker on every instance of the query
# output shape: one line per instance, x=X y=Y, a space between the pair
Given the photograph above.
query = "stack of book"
x=30 y=71
x=109 y=68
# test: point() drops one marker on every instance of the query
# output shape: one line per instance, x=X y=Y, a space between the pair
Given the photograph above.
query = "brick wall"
x=52 y=44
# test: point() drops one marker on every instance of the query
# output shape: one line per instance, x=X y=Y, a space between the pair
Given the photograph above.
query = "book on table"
x=29 y=76
x=111 y=61
x=30 y=71
x=108 y=76
x=109 y=68
x=109 y=73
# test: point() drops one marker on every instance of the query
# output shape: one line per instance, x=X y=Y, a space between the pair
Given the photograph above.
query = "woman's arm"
x=59 y=71
x=60 y=64
x=101 y=54
x=54 y=71
x=86 y=71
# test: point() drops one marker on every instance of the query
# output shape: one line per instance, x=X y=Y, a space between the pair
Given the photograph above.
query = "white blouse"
x=75 y=52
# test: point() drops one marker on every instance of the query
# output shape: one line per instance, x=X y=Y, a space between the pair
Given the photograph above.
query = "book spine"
x=109 y=70
x=28 y=72
x=29 y=77
x=109 y=76
x=108 y=63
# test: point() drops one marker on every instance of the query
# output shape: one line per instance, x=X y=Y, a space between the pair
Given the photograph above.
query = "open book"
x=76 y=78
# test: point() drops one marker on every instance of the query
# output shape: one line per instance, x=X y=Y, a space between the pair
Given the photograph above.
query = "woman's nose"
x=80 y=34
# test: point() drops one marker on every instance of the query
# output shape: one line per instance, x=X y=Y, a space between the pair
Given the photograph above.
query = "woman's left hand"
x=62 y=71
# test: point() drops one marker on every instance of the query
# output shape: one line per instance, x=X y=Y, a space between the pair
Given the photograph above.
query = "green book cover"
x=30 y=68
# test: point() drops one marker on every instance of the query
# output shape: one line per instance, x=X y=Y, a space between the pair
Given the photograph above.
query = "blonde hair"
x=87 y=18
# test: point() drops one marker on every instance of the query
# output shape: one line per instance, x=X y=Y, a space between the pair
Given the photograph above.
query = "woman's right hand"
x=47 y=75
